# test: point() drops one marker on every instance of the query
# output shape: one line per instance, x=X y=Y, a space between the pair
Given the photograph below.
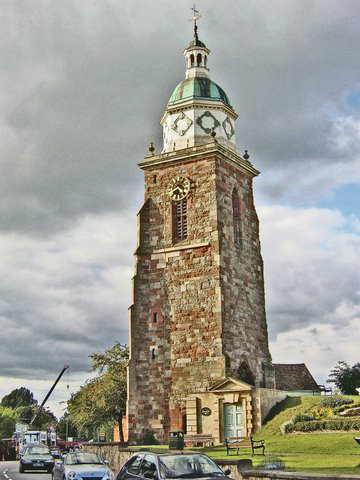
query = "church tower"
x=198 y=316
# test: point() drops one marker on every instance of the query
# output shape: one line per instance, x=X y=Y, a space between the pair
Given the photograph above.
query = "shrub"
x=326 y=424
x=287 y=427
x=351 y=412
x=302 y=417
x=335 y=401
x=149 y=439
x=342 y=408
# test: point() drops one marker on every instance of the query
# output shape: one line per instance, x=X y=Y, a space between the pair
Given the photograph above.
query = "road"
x=10 y=471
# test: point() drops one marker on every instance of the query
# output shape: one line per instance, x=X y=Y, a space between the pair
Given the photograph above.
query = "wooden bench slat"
x=236 y=443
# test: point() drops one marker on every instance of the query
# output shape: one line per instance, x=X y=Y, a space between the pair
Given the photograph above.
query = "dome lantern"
x=198 y=105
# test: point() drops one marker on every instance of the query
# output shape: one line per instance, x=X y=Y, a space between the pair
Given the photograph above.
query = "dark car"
x=158 y=466
x=37 y=457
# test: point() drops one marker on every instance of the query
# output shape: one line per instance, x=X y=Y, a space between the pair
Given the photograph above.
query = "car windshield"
x=188 y=466
x=83 y=457
x=37 y=450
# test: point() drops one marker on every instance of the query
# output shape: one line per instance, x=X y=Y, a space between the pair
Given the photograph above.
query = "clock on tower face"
x=178 y=188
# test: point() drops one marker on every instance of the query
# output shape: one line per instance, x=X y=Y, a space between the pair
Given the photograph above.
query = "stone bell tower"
x=198 y=312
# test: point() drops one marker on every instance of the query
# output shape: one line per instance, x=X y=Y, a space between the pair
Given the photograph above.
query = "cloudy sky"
x=83 y=84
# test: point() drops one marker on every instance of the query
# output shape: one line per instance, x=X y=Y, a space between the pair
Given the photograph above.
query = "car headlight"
x=71 y=475
x=109 y=475
x=25 y=461
x=49 y=460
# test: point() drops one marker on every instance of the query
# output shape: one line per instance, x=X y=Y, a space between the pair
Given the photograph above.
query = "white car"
x=82 y=465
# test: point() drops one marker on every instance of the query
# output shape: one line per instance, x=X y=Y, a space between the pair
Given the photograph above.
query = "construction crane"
x=49 y=393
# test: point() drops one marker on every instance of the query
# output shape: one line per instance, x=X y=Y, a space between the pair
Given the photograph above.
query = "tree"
x=45 y=418
x=20 y=397
x=66 y=427
x=345 y=377
x=103 y=398
x=7 y=422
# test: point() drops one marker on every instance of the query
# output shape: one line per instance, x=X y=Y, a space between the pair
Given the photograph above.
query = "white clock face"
x=178 y=188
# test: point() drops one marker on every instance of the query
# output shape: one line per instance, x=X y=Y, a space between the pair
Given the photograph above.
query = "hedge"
x=322 y=424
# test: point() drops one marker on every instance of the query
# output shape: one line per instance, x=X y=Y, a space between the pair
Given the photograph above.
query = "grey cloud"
x=86 y=88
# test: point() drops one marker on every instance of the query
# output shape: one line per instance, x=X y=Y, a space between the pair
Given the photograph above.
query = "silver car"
x=80 y=466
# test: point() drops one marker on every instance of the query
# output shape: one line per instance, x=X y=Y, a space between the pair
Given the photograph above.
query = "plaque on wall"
x=205 y=411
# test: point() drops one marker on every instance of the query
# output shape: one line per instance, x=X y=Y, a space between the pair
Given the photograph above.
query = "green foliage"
x=301 y=417
x=44 y=420
x=67 y=426
x=333 y=401
x=25 y=414
x=286 y=427
x=20 y=397
x=149 y=439
x=345 y=377
x=343 y=408
x=7 y=422
x=351 y=412
x=325 y=424
x=103 y=398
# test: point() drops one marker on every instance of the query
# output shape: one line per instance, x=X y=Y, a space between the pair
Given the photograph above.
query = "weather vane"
x=195 y=17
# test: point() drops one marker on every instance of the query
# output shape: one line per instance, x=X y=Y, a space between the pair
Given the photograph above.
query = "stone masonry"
x=198 y=311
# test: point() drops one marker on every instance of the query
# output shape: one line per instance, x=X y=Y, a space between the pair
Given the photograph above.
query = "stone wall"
x=242 y=282
x=263 y=401
x=198 y=314
x=117 y=455
x=179 y=282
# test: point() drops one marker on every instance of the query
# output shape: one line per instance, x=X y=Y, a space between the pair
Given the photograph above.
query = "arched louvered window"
x=179 y=215
x=236 y=218
x=198 y=59
x=192 y=60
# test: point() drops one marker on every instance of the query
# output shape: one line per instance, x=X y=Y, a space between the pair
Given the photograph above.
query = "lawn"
x=311 y=452
x=322 y=452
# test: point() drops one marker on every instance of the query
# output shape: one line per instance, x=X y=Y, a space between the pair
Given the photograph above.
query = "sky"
x=83 y=84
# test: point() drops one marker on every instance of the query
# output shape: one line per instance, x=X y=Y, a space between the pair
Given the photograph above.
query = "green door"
x=233 y=420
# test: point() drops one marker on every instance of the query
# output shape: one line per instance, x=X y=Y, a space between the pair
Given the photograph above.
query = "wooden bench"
x=236 y=443
x=198 y=439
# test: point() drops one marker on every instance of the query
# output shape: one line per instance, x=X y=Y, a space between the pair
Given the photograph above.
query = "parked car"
x=156 y=466
x=79 y=465
x=55 y=452
x=36 y=457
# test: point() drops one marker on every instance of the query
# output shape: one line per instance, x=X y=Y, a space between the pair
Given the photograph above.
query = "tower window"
x=205 y=61
x=155 y=317
x=236 y=218
x=153 y=353
x=179 y=212
x=192 y=60
x=198 y=59
x=154 y=178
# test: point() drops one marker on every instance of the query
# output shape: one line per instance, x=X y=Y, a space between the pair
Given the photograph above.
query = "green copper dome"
x=198 y=87
x=196 y=43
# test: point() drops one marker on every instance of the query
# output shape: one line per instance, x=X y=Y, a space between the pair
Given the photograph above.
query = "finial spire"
x=195 y=17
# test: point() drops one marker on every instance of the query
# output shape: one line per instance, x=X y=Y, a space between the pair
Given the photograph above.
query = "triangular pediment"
x=230 y=385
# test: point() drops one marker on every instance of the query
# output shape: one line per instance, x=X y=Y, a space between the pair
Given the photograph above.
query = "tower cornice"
x=199 y=104
x=187 y=154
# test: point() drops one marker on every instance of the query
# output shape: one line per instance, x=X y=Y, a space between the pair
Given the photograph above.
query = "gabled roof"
x=293 y=377
x=229 y=384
